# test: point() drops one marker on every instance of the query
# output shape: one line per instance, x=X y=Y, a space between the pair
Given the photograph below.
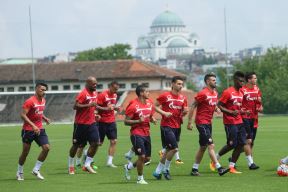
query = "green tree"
x=116 y=51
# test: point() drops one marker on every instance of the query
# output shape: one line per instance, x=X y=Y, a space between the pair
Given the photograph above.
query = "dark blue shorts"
x=235 y=134
x=107 y=129
x=170 y=137
x=249 y=126
x=83 y=133
x=205 y=134
x=141 y=145
x=30 y=136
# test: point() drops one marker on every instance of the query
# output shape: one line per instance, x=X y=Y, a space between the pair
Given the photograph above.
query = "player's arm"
x=129 y=121
x=27 y=120
x=190 y=115
x=78 y=105
x=108 y=108
x=47 y=120
x=221 y=105
x=160 y=111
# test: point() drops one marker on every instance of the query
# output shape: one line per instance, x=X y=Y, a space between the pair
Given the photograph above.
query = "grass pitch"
x=270 y=146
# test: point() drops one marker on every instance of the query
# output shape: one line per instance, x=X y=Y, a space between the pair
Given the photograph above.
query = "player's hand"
x=97 y=117
x=48 y=121
x=153 y=120
x=235 y=113
x=190 y=126
x=36 y=130
x=92 y=104
x=141 y=120
x=117 y=108
x=167 y=114
x=260 y=109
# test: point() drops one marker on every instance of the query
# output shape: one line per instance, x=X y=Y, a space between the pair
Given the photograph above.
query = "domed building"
x=168 y=37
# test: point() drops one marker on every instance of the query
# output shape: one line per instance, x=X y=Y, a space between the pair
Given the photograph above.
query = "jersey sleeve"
x=225 y=97
x=80 y=98
x=200 y=97
x=100 y=99
x=28 y=104
x=185 y=104
x=130 y=110
x=161 y=99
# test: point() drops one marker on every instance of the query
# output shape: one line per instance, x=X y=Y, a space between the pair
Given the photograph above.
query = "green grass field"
x=271 y=145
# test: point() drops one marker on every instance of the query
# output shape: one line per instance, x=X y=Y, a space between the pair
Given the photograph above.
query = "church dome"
x=178 y=43
x=167 y=18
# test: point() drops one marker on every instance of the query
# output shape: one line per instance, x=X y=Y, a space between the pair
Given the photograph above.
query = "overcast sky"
x=75 y=25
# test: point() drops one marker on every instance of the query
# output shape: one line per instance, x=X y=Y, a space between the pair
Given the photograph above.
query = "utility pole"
x=226 y=45
x=31 y=43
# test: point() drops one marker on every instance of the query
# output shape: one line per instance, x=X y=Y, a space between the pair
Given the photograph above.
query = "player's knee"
x=46 y=148
x=113 y=141
x=211 y=146
x=203 y=148
x=249 y=141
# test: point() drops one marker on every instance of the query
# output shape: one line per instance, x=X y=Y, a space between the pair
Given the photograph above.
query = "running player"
x=85 y=127
x=139 y=113
x=205 y=106
x=32 y=130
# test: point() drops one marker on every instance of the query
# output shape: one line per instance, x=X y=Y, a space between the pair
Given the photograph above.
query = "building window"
x=195 y=42
x=54 y=88
x=134 y=85
x=99 y=86
x=10 y=89
x=31 y=88
x=145 y=85
x=21 y=88
x=1 y=89
x=76 y=87
x=168 y=84
x=159 y=42
x=66 y=87
x=122 y=85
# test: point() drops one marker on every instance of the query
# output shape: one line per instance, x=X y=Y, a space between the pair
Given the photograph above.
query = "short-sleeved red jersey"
x=35 y=112
x=135 y=110
x=206 y=104
x=174 y=104
x=232 y=100
x=85 y=115
x=250 y=101
x=105 y=99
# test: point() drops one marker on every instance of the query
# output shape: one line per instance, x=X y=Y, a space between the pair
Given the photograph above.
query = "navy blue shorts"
x=30 y=136
x=235 y=134
x=249 y=126
x=170 y=137
x=83 y=133
x=205 y=134
x=141 y=145
x=107 y=129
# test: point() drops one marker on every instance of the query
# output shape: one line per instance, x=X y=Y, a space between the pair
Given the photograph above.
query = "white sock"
x=20 y=169
x=71 y=161
x=85 y=152
x=285 y=160
x=159 y=168
x=130 y=165
x=217 y=156
x=195 y=166
x=78 y=161
x=109 y=161
x=167 y=165
x=130 y=153
x=140 y=177
x=231 y=164
x=177 y=155
x=37 y=165
x=163 y=150
x=88 y=161
x=217 y=165
x=249 y=160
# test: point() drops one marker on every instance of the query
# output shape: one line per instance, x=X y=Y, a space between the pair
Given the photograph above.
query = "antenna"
x=31 y=43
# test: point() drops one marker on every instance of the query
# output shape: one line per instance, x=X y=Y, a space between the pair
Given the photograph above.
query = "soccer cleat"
x=90 y=169
x=93 y=166
x=223 y=171
x=126 y=170
x=253 y=166
x=160 y=154
x=111 y=165
x=127 y=157
x=71 y=170
x=167 y=175
x=142 y=181
x=147 y=163
x=78 y=166
x=37 y=174
x=195 y=172
x=234 y=170
x=212 y=166
x=20 y=176
x=179 y=162
x=157 y=176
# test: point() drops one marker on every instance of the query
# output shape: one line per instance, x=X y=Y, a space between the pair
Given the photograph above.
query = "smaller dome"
x=167 y=18
x=143 y=44
x=177 y=43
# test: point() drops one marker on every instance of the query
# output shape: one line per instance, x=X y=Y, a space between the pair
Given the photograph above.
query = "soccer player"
x=230 y=104
x=32 y=130
x=85 y=127
x=251 y=95
x=138 y=114
x=172 y=106
x=106 y=105
x=205 y=106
